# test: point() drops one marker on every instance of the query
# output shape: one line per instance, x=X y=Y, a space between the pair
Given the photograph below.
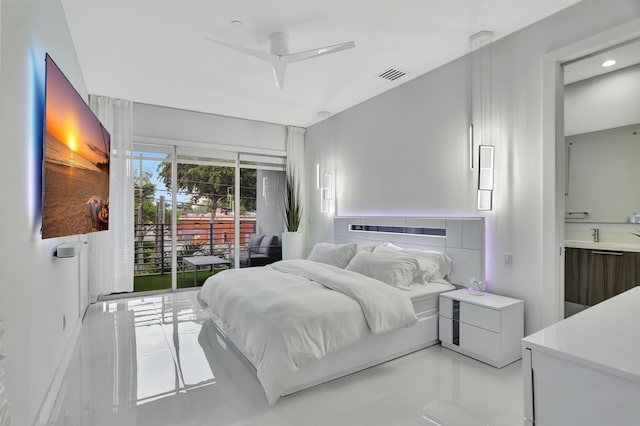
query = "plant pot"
x=292 y=245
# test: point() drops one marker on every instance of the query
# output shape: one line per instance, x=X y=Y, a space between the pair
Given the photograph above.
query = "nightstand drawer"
x=480 y=341
x=446 y=307
x=480 y=316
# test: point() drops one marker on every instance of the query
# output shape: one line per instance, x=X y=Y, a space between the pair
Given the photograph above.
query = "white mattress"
x=425 y=298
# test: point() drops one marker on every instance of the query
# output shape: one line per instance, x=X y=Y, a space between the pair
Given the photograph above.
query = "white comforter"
x=286 y=315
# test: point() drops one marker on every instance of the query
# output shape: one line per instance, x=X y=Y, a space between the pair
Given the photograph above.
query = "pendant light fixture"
x=481 y=149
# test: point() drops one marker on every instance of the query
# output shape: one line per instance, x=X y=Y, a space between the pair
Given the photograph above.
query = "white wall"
x=5 y=417
x=36 y=289
x=405 y=151
x=604 y=102
x=152 y=122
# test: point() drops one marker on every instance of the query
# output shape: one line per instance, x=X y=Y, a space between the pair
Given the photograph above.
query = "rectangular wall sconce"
x=326 y=193
x=265 y=189
x=325 y=185
x=472 y=150
x=485 y=177
x=485 y=173
x=485 y=200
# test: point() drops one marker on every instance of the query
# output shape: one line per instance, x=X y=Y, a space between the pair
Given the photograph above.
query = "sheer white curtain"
x=5 y=419
x=295 y=164
x=111 y=253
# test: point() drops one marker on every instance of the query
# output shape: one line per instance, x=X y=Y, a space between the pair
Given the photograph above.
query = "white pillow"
x=397 y=271
x=443 y=263
x=366 y=247
x=333 y=254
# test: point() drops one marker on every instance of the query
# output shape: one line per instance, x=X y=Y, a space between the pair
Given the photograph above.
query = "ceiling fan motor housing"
x=279 y=43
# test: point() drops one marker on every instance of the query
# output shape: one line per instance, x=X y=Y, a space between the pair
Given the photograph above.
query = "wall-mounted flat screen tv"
x=75 y=180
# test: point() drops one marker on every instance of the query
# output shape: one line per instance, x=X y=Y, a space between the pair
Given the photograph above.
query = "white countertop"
x=603 y=245
x=605 y=337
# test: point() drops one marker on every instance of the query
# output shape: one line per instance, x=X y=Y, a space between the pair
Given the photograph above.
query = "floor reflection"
x=160 y=360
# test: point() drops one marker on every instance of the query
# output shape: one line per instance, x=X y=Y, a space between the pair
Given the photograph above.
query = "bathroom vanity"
x=598 y=271
x=584 y=370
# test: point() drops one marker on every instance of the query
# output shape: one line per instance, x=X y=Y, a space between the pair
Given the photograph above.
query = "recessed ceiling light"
x=236 y=23
x=608 y=63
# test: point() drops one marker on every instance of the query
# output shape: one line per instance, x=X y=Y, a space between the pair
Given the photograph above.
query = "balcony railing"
x=153 y=244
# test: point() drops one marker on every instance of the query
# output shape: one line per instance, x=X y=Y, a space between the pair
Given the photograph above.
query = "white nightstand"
x=488 y=328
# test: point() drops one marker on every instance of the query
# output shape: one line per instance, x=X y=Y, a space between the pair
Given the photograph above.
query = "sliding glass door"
x=152 y=215
x=205 y=215
x=263 y=189
x=221 y=203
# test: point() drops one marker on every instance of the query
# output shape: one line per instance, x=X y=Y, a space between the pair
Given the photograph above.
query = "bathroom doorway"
x=556 y=156
x=602 y=147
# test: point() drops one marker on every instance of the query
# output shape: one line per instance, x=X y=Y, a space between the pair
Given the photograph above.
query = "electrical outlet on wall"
x=508 y=259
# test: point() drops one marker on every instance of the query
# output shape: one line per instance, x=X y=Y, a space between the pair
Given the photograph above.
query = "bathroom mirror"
x=603 y=179
x=602 y=138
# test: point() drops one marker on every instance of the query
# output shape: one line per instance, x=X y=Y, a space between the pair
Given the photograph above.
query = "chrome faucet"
x=596 y=235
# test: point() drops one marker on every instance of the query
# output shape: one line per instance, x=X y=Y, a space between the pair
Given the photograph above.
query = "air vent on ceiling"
x=392 y=74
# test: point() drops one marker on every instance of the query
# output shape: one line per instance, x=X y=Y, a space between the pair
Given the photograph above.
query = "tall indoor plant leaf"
x=292 y=204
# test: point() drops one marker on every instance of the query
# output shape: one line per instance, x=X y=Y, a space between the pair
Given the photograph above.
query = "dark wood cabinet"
x=592 y=276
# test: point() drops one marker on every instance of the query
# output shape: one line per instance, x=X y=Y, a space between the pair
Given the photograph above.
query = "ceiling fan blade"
x=279 y=71
x=255 y=53
x=314 y=53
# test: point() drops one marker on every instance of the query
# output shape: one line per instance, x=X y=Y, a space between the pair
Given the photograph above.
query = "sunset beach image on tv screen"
x=75 y=197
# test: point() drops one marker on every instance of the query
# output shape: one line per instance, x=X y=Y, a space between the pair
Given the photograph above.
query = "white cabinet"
x=488 y=328
x=584 y=370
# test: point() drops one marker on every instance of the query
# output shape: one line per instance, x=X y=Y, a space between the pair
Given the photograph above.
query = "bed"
x=297 y=334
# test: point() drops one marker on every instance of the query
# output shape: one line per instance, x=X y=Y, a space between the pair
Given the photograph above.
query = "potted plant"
x=292 y=241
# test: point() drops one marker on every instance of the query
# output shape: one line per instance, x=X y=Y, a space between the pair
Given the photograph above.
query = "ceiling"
x=597 y=97
x=625 y=55
x=154 y=51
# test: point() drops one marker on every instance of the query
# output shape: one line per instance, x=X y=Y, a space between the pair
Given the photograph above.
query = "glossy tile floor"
x=159 y=360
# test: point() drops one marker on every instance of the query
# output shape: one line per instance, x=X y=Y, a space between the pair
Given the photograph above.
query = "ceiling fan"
x=279 y=55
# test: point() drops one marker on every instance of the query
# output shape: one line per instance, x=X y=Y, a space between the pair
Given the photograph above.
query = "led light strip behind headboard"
x=409 y=230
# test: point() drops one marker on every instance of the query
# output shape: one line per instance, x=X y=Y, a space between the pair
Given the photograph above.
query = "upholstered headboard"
x=461 y=238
